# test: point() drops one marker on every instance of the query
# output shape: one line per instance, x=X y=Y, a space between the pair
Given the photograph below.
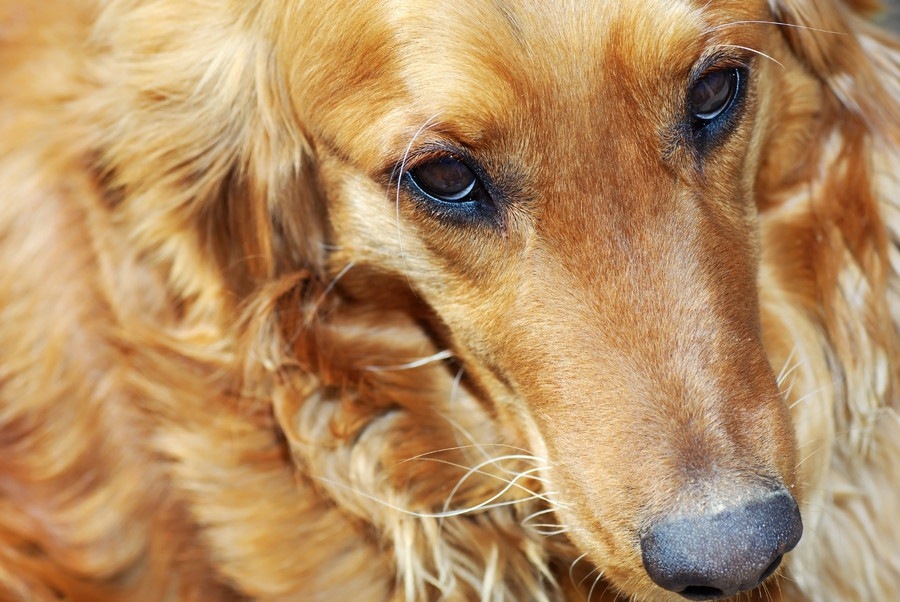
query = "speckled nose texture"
x=714 y=555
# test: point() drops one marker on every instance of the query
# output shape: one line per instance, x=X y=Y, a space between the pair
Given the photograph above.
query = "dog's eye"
x=445 y=179
x=713 y=94
x=454 y=189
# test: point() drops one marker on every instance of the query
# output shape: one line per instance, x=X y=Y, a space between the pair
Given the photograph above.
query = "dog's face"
x=571 y=188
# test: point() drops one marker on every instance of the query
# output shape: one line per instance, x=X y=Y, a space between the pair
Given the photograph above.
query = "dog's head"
x=572 y=190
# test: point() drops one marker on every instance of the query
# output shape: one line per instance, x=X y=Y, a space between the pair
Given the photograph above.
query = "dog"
x=479 y=300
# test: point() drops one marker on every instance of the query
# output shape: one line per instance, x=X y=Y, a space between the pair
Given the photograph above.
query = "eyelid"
x=719 y=58
x=487 y=206
x=434 y=151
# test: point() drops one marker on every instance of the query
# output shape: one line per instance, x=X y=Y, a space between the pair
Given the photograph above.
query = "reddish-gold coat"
x=241 y=359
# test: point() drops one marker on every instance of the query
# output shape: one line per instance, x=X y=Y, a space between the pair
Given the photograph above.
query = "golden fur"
x=239 y=361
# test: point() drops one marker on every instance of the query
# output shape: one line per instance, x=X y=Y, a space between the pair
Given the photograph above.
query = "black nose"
x=725 y=549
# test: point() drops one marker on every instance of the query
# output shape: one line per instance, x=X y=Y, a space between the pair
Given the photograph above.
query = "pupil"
x=712 y=94
x=447 y=178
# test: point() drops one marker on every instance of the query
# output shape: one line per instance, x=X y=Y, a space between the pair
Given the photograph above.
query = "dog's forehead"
x=567 y=39
x=478 y=68
x=477 y=60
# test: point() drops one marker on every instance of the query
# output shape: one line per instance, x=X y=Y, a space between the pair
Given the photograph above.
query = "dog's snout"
x=715 y=554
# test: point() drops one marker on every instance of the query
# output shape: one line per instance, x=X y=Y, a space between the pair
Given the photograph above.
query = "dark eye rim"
x=735 y=82
x=483 y=206
x=737 y=77
x=704 y=135
x=474 y=194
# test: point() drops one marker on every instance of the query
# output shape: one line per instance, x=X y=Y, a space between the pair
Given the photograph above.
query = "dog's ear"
x=839 y=44
x=199 y=150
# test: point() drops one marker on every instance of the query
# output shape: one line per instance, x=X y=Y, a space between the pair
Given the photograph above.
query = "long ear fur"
x=830 y=296
x=850 y=207
x=233 y=156
x=838 y=44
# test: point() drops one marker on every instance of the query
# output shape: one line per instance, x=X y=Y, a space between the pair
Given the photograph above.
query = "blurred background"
x=891 y=18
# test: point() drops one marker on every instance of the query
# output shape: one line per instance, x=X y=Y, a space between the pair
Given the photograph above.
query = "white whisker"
x=777 y=24
x=536 y=514
x=400 y=173
x=594 y=585
x=786 y=394
x=779 y=380
x=588 y=576
x=753 y=50
x=808 y=456
x=486 y=505
x=457 y=427
x=482 y=448
x=330 y=287
x=514 y=482
x=784 y=376
x=572 y=569
x=523 y=455
x=809 y=395
x=488 y=474
x=436 y=357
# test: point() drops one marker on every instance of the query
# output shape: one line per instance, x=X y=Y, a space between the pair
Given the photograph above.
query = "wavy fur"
x=236 y=364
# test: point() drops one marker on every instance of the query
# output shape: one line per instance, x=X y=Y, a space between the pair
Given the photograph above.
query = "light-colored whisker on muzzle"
x=787 y=368
x=514 y=482
x=477 y=470
x=495 y=500
x=809 y=395
x=546 y=529
x=811 y=454
x=597 y=580
x=572 y=569
x=488 y=504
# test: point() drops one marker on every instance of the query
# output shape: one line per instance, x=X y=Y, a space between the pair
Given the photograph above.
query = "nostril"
x=771 y=568
x=702 y=592
x=710 y=556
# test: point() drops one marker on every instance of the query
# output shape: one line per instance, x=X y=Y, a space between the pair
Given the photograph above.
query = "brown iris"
x=712 y=94
x=446 y=179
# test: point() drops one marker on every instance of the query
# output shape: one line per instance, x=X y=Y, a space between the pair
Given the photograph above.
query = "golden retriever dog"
x=386 y=300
